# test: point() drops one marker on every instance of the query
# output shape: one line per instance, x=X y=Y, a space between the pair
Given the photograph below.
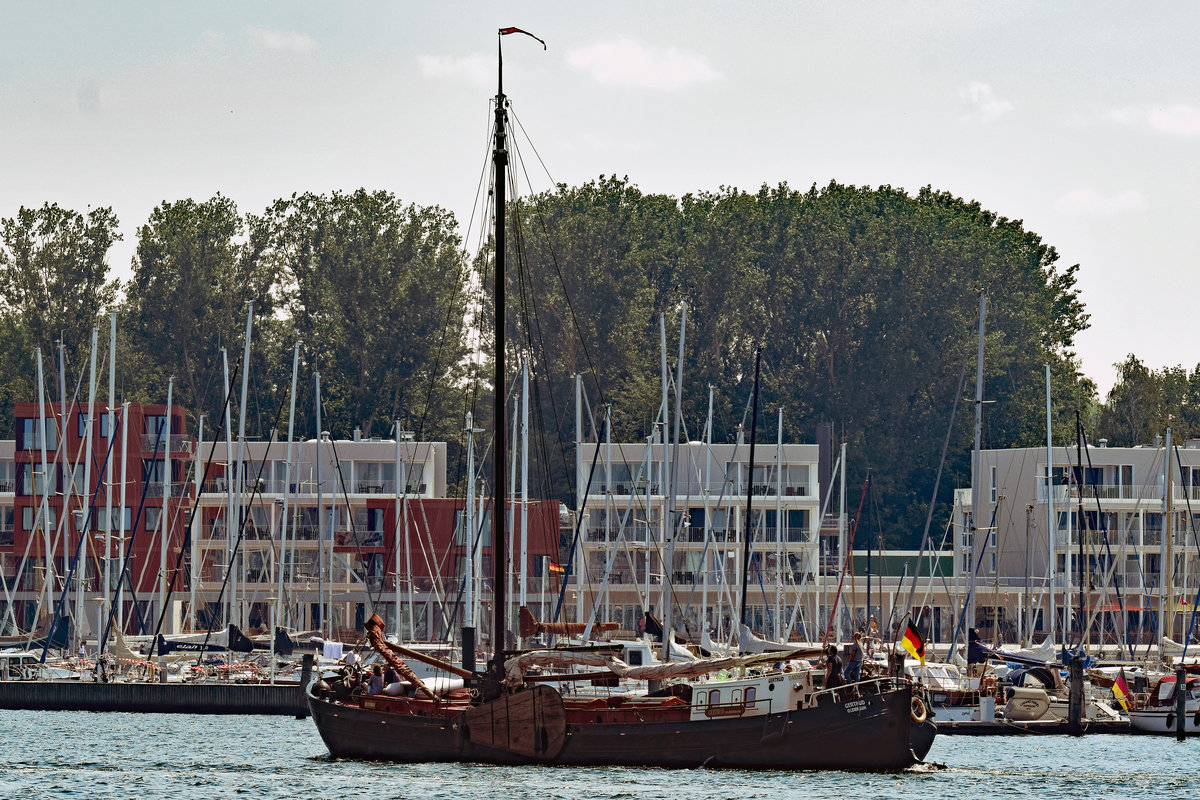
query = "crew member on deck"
x=833 y=668
x=854 y=659
x=375 y=685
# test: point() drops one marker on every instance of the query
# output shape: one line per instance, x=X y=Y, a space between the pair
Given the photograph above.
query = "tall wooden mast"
x=499 y=446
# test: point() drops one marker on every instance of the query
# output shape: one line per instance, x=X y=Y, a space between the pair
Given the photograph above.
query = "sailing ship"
x=735 y=711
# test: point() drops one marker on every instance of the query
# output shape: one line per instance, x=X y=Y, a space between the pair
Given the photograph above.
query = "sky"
x=1082 y=119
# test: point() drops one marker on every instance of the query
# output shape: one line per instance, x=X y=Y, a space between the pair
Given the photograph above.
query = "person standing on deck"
x=854 y=659
x=833 y=668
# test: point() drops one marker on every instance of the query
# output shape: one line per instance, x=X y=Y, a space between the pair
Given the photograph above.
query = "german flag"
x=1120 y=690
x=556 y=569
x=913 y=642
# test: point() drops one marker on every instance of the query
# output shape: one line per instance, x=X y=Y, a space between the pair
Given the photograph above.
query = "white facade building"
x=643 y=542
x=1097 y=541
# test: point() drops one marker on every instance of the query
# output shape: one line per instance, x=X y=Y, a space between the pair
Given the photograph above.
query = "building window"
x=81 y=425
x=31 y=480
x=27 y=427
x=414 y=478
x=153 y=516
x=77 y=485
x=368 y=524
x=27 y=523
x=483 y=527
x=153 y=470
x=116 y=515
x=992 y=484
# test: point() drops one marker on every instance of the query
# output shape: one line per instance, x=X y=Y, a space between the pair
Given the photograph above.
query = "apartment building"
x=333 y=528
x=90 y=511
x=1092 y=542
x=653 y=512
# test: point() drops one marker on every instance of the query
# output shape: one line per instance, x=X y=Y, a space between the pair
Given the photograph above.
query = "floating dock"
x=284 y=699
x=1054 y=727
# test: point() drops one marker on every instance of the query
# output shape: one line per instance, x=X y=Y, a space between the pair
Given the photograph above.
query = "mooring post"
x=1180 y=703
x=1075 y=706
x=306 y=670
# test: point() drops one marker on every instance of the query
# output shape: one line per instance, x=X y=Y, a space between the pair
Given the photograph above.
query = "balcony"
x=364 y=539
x=375 y=487
x=179 y=444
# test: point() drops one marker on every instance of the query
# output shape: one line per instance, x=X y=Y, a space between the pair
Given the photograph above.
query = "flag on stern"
x=1120 y=690
x=913 y=642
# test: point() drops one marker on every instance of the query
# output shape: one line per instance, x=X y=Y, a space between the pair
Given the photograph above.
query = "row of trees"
x=863 y=300
x=364 y=282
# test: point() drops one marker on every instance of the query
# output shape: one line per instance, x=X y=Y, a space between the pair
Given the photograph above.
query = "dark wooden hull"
x=873 y=733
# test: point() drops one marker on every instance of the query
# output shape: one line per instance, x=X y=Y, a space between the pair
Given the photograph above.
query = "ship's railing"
x=848 y=691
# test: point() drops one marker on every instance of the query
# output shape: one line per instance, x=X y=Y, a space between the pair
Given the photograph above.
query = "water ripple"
x=123 y=756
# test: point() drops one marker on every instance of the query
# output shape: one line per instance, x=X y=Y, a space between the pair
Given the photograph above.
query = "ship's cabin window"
x=714 y=697
x=751 y=693
x=635 y=658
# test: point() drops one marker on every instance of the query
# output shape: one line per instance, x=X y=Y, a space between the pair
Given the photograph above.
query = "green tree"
x=376 y=290
x=864 y=299
x=54 y=287
x=197 y=265
x=591 y=268
x=1144 y=402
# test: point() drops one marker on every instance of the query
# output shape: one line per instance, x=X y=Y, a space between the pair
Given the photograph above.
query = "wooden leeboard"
x=530 y=723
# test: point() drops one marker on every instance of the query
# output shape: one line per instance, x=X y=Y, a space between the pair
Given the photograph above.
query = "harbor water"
x=115 y=755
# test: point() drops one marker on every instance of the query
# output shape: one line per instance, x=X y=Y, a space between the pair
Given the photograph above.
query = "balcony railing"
x=179 y=444
x=1112 y=491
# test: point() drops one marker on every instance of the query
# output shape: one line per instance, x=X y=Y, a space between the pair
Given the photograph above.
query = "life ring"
x=918 y=710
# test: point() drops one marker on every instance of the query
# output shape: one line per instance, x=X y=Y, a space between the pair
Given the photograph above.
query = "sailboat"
x=735 y=711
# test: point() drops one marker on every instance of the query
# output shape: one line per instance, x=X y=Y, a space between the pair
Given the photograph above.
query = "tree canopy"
x=863 y=300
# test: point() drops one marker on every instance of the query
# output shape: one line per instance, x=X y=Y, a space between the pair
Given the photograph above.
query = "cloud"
x=1089 y=203
x=281 y=41
x=1176 y=120
x=478 y=69
x=985 y=103
x=624 y=62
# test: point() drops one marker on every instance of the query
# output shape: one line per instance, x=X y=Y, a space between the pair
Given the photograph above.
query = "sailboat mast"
x=1051 y=522
x=106 y=561
x=164 y=516
x=746 y=531
x=976 y=474
x=1166 y=601
x=287 y=493
x=499 y=446
x=85 y=495
x=43 y=514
